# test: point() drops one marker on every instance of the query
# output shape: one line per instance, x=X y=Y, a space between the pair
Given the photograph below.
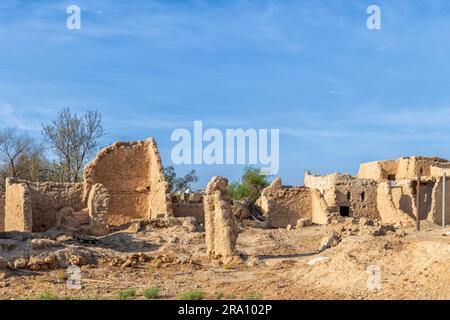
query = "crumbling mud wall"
x=196 y=210
x=435 y=214
x=98 y=208
x=43 y=202
x=220 y=225
x=342 y=191
x=320 y=209
x=132 y=174
x=2 y=211
x=18 y=207
x=189 y=205
x=403 y=168
x=390 y=210
x=404 y=196
x=325 y=184
x=286 y=205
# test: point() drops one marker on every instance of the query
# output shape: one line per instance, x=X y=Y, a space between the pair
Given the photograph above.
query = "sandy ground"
x=415 y=265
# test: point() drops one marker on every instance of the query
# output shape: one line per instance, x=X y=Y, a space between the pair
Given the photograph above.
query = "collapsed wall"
x=392 y=206
x=345 y=194
x=286 y=205
x=2 y=211
x=435 y=214
x=35 y=206
x=403 y=168
x=17 y=207
x=133 y=175
x=221 y=226
x=189 y=205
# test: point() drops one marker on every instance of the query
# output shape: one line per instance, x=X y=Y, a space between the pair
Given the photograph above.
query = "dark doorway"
x=391 y=177
x=344 y=211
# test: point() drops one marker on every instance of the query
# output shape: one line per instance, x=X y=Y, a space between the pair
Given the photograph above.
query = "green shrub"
x=191 y=295
x=252 y=296
x=126 y=294
x=151 y=293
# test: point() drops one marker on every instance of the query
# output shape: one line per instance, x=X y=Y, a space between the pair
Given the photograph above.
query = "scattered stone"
x=365 y=222
x=400 y=233
x=383 y=229
x=183 y=258
x=41 y=244
x=253 y=261
x=318 y=260
x=8 y=244
x=331 y=240
x=303 y=222
x=20 y=263
x=289 y=227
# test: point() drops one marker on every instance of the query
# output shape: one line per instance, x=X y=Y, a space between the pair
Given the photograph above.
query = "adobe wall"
x=403 y=168
x=435 y=214
x=46 y=199
x=360 y=195
x=2 y=211
x=390 y=210
x=438 y=171
x=196 y=210
x=17 y=207
x=286 y=205
x=221 y=227
x=377 y=170
x=325 y=184
x=132 y=173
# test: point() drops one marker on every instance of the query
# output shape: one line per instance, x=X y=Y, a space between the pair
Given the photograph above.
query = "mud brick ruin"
x=125 y=183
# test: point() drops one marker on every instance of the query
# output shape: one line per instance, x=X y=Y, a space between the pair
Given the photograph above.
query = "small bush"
x=46 y=296
x=151 y=293
x=252 y=296
x=126 y=294
x=191 y=295
x=219 y=295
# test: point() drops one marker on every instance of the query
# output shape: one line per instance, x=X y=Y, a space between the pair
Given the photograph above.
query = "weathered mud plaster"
x=2 y=211
x=220 y=225
x=18 y=207
x=389 y=211
x=39 y=203
x=133 y=176
x=359 y=196
x=286 y=205
x=98 y=208
x=403 y=168
x=435 y=214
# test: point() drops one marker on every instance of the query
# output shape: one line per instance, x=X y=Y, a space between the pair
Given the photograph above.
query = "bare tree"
x=20 y=156
x=74 y=140
x=179 y=184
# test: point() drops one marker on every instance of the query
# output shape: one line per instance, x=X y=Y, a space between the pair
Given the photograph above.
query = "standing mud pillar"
x=220 y=225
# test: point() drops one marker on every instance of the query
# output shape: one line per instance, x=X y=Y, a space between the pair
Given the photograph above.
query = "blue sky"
x=339 y=93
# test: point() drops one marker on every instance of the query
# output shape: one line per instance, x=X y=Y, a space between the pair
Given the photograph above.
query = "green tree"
x=179 y=184
x=252 y=182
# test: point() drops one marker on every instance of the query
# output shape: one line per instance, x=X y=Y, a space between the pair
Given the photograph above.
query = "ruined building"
x=124 y=182
x=387 y=190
